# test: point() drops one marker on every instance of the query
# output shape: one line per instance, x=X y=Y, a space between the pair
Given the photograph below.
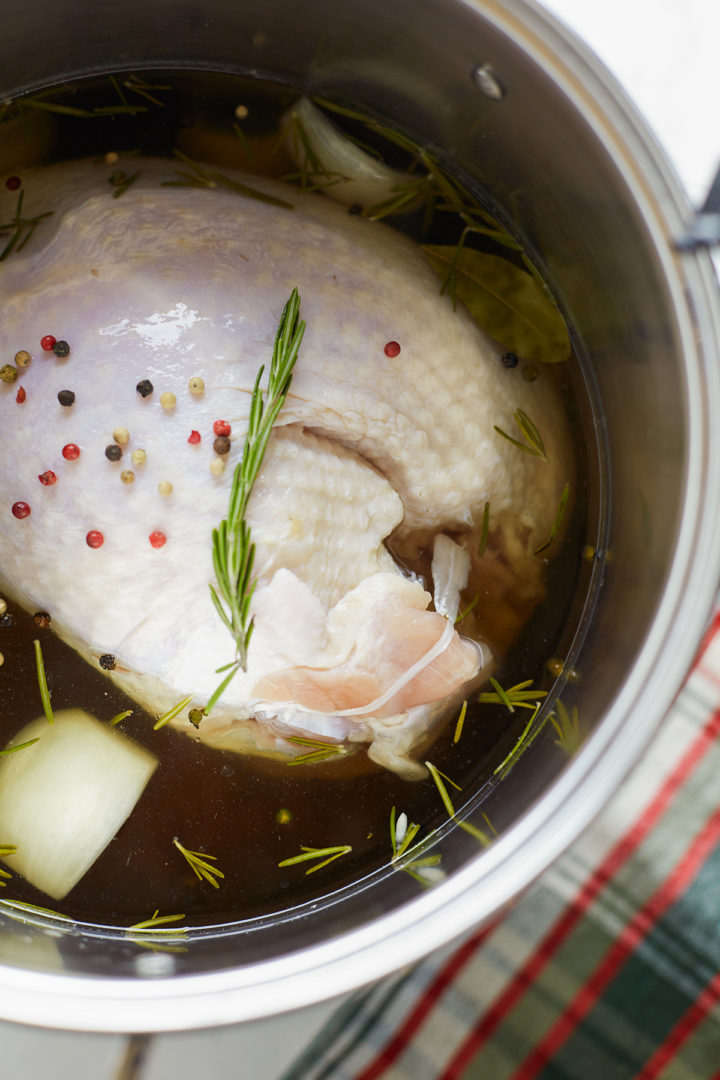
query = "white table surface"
x=664 y=53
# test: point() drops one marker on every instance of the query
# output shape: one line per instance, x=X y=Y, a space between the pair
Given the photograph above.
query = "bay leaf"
x=505 y=301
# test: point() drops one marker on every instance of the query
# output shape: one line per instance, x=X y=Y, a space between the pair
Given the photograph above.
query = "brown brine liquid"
x=252 y=812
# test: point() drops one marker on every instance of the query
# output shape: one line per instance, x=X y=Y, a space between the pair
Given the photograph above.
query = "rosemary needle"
x=233 y=549
x=42 y=682
x=327 y=855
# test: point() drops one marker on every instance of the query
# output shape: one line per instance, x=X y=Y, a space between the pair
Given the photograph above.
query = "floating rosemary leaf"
x=519 y=695
x=402 y=834
x=505 y=299
x=423 y=868
x=20 y=746
x=328 y=855
x=485 y=531
x=322 y=751
x=463 y=614
x=86 y=114
x=233 y=550
x=158 y=920
x=20 y=228
x=479 y=834
x=567 y=726
x=172 y=713
x=33 y=909
x=200 y=176
x=460 y=722
x=534 y=444
x=557 y=522
x=529 y=733
x=119 y=717
x=42 y=683
x=201 y=868
x=5 y=850
x=124 y=184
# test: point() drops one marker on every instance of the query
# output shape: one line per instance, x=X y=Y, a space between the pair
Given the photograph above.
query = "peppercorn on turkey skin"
x=143 y=321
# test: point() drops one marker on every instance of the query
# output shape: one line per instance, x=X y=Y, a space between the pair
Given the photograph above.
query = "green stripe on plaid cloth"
x=608 y=968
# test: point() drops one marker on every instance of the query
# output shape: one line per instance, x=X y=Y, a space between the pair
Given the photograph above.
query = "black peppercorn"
x=66 y=397
x=61 y=349
x=509 y=359
x=42 y=619
x=144 y=388
x=113 y=452
x=7 y=621
x=107 y=662
x=221 y=445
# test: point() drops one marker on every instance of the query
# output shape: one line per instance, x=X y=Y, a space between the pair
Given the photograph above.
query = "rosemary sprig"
x=484 y=531
x=42 y=683
x=20 y=746
x=172 y=713
x=322 y=751
x=233 y=550
x=479 y=834
x=460 y=723
x=529 y=733
x=557 y=522
x=21 y=229
x=328 y=855
x=157 y=920
x=200 y=176
x=533 y=444
x=201 y=868
x=567 y=726
x=519 y=695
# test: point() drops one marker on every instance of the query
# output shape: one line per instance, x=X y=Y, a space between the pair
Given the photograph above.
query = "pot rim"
x=516 y=858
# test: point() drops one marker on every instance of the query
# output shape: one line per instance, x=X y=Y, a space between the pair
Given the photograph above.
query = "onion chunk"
x=63 y=799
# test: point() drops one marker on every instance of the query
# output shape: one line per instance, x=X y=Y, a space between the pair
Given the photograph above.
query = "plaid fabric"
x=608 y=968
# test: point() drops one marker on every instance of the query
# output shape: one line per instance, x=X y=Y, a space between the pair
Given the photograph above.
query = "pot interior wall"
x=549 y=172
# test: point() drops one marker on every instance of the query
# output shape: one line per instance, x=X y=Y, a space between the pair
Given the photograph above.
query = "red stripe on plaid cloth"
x=414 y=1020
x=682 y=1031
x=631 y=936
x=588 y=893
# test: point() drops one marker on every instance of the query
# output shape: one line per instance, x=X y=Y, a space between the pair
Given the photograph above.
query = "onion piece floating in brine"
x=63 y=799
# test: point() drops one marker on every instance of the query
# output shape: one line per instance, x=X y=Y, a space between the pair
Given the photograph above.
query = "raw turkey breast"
x=166 y=285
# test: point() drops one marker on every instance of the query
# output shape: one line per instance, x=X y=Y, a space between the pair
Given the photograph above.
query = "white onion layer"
x=63 y=799
x=362 y=180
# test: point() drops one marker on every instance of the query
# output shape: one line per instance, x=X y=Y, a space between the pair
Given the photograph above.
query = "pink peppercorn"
x=21 y=395
x=221 y=427
x=48 y=478
x=157 y=539
x=48 y=343
x=71 y=452
x=94 y=539
x=392 y=349
x=194 y=437
x=13 y=183
x=21 y=510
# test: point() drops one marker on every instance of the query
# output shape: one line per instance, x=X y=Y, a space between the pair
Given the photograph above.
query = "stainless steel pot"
x=520 y=106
